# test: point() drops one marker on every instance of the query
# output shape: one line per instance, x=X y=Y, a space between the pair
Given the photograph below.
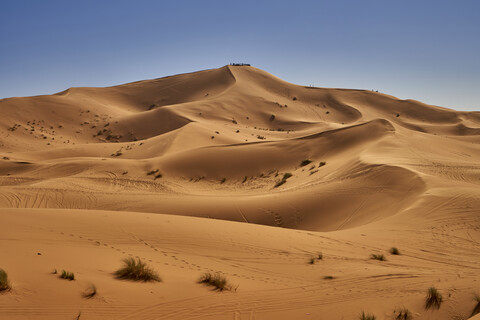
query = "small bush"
x=284 y=179
x=152 y=172
x=158 y=176
x=4 y=283
x=312 y=261
x=367 y=316
x=320 y=256
x=223 y=180
x=402 y=314
x=279 y=183
x=305 y=162
x=394 y=251
x=433 y=299
x=321 y=164
x=215 y=280
x=328 y=277
x=136 y=270
x=287 y=175
x=90 y=292
x=379 y=257
x=67 y=275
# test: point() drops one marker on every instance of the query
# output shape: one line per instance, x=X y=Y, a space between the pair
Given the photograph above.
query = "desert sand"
x=233 y=170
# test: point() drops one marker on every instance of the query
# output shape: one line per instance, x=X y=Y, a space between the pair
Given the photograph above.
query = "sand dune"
x=282 y=172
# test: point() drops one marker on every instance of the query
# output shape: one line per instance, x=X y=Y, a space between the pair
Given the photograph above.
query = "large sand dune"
x=90 y=176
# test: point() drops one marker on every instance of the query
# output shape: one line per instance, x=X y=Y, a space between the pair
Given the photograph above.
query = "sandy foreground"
x=235 y=171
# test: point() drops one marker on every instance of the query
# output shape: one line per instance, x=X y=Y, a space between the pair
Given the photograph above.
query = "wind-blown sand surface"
x=184 y=172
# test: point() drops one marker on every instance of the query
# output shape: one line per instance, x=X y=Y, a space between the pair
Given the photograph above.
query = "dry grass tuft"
x=136 y=270
x=366 y=316
x=433 y=299
x=215 y=280
x=394 y=251
x=402 y=314
x=379 y=257
x=90 y=292
x=67 y=275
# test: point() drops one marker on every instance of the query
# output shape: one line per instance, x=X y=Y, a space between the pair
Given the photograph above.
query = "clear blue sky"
x=424 y=50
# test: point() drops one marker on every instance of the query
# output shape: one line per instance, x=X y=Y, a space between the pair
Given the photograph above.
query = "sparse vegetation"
x=215 y=280
x=4 y=283
x=379 y=257
x=315 y=259
x=90 y=292
x=223 y=180
x=328 y=278
x=321 y=164
x=402 y=314
x=136 y=270
x=272 y=117
x=433 y=299
x=67 y=275
x=394 y=251
x=152 y=172
x=367 y=316
x=244 y=179
x=284 y=179
x=476 y=310
x=305 y=162
x=158 y=176
x=287 y=175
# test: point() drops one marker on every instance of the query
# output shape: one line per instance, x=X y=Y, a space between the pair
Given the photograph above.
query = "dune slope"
x=89 y=176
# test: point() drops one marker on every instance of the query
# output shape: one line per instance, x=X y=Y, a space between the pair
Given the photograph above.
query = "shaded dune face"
x=219 y=143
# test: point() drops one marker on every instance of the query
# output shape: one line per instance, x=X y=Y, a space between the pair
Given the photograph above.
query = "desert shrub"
x=305 y=162
x=433 y=299
x=394 y=251
x=152 y=172
x=366 y=316
x=312 y=261
x=90 y=292
x=287 y=175
x=476 y=310
x=158 y=176
x=67 y=275
x=402 y=314
x=328 y=277
x=4 y=283
x=321 y=164
x=136 y=270
x=223 y=180
x=284 y=179
x=320 y=256
x=279 y=183
x=215 y=280
x=379 y=257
